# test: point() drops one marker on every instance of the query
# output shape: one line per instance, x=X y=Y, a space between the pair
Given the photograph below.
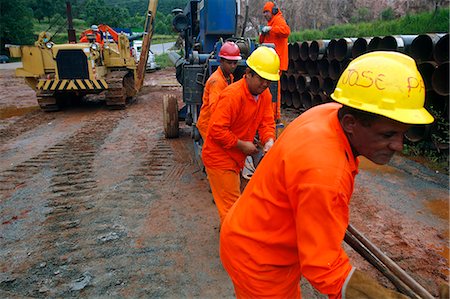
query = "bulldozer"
x=62 y=73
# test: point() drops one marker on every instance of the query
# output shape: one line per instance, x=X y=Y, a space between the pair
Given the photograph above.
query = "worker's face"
x=228 y=66
x=378 y=141
x=256 y=84
x=267 y=15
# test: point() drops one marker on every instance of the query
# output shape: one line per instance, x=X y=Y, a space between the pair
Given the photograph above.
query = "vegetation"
x=436 y=21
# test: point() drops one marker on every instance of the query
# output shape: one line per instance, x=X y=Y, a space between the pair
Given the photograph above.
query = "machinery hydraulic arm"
x=146 y=41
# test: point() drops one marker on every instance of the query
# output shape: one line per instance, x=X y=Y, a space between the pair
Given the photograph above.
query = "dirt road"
x=97 y=203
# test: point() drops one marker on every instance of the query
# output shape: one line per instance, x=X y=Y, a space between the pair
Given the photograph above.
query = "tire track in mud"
x=25 y=123
x=71 y=186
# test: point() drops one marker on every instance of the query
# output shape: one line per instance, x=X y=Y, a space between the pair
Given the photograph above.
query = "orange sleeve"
x=225 y=112
x=214 y=93
x=266 y=128
x=280 y=28
x=321 y=220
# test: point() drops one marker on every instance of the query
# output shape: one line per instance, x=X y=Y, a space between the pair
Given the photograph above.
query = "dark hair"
x=364 y=117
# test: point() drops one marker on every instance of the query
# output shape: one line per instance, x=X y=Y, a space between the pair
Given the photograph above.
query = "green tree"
x=363 y=14
x=388 y=14
x=16 y=26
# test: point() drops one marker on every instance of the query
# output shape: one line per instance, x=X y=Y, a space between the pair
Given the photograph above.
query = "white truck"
x=151 y=63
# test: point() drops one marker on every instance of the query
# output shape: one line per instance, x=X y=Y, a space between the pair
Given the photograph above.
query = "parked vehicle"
x=4 y=59
x=151 y=60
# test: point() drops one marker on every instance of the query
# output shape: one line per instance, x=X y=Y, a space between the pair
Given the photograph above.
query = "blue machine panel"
x=217 y=19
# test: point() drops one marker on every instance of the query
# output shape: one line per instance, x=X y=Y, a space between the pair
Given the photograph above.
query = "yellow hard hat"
x=384 y=83
x=265 y=62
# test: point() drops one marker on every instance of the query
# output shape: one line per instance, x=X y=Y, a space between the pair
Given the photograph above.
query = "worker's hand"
x=246 y=147
x=361 y=285
x=268 y=145
x=266 y=29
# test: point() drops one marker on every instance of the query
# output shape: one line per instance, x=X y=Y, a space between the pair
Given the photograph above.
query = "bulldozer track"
x=120 y=88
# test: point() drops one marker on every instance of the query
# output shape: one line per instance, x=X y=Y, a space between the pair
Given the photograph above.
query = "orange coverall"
x=278 y=35
x=213 y=87
x=237 y=116
x=291 y=218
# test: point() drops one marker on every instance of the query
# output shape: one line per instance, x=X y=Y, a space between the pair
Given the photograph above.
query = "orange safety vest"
x=291 y=219
x=237 y=116
x=278 y=35
x=213 y=87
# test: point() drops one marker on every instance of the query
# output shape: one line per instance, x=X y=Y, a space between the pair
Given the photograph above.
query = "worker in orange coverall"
x=291 y=219
x=276 y=32
x=243 y=109
x=96 y=33
x=229 y=55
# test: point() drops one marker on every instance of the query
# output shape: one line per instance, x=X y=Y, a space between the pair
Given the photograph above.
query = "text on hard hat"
x=364 y=79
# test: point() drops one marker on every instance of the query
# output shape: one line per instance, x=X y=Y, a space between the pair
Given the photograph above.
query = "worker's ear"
x=348 y=123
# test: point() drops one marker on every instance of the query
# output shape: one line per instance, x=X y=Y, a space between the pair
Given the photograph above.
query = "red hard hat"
x=230 y=51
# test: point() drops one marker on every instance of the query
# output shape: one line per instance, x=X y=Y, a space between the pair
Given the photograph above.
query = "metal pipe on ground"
x=311 y=67
x=291 y=51
x=330 y=49
x=392 y=43
x=316 y=84
x=319 y=98
x=296 y=50
x=306 y=99
x=323 y=65
x=283 y=98
x=291 y=66
x=343 y=49
x=284 y=80
x=440 y=78
x=334 y=69
x=360 y=46
x=328 y=85
x=359 y=247
x=291 y=82
x=296 y=103
x=391 y=265
x=438 y=102
x=418 y=133
x=426 y=69
x=304 y=50
x=317 y=49
x=374 y=44
x=441 y=49
x=422 y=47
x=300 y=66
x=302 y=83
x=288 y=99
x=407 y=41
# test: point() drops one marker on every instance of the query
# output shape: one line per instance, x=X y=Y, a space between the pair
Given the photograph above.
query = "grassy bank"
x=437 y=21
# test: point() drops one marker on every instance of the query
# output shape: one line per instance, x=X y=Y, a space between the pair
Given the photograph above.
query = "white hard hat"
x=94 y=27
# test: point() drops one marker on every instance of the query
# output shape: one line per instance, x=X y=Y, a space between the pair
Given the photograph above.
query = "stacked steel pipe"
x=315 y=66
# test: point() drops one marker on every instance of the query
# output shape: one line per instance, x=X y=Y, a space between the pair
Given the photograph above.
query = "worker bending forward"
x=229 y=55
x=243 y=109
x=291 y=219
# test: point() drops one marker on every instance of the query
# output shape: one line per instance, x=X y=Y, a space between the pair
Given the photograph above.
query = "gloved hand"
x=361 y=285
x=268 y=145
x=266 y=29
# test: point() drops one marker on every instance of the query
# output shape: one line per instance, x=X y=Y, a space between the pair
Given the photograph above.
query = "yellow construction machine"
x=60 y=73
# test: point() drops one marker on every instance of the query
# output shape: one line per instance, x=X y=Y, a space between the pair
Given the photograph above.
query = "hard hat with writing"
x=94 y=27
x=265 y=62
x=384 y=83
x=230 y=51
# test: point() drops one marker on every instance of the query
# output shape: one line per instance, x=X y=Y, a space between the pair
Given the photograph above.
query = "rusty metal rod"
x=351 y=240
x=399 y=272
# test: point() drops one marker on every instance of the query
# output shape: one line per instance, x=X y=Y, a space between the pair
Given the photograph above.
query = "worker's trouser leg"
x=277 y=105
x=225 y=187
